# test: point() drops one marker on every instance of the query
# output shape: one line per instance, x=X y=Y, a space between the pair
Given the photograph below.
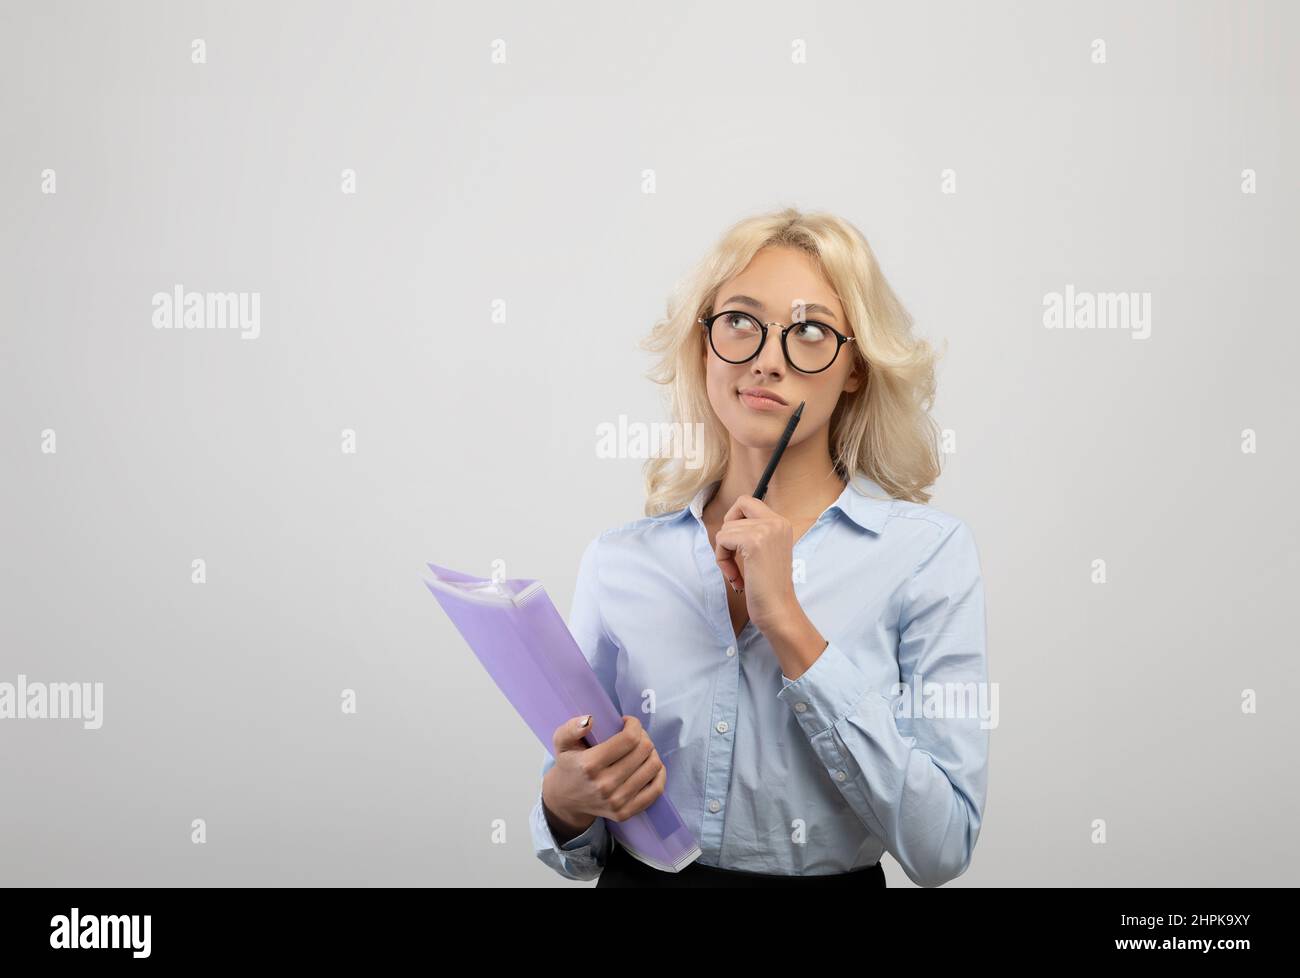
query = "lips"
x=761 y=392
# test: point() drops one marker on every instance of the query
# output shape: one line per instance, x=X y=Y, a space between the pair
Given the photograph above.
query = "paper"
x=526 y=647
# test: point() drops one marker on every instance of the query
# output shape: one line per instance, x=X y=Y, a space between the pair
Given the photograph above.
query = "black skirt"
x=624 y=869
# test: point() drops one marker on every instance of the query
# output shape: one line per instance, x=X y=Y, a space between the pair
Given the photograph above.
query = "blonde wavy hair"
x=883 y=429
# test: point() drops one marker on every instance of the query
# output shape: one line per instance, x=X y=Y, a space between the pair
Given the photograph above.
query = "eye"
x=738 y=322
x=811 y=333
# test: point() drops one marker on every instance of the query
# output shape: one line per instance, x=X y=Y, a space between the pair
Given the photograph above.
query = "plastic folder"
x=528 y=650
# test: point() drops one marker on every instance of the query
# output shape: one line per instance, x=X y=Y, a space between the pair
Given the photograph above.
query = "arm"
x=582 y=857
x=916 y=782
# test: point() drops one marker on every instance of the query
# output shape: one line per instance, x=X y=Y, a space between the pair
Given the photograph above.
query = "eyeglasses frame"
x=707 y=323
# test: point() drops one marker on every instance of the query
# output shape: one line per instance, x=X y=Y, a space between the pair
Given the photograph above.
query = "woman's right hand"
x=615 y=779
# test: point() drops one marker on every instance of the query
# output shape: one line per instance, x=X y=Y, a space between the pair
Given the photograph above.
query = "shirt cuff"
x=828 y=691
x=593 y=835
x=581 y=857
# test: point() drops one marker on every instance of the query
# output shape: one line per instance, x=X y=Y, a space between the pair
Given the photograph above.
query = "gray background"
x=476 y=441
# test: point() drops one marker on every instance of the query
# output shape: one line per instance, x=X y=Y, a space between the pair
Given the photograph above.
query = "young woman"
x=767 y=656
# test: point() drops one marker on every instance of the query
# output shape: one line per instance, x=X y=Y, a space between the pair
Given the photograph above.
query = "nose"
x=770 y=360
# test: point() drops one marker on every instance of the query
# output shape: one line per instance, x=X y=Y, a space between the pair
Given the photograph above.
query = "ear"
x=855 y=378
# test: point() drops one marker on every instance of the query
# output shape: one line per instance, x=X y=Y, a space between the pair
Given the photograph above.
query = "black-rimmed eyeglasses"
x=738 y=337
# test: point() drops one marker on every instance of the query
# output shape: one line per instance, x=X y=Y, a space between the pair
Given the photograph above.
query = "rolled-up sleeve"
x=917 y=780
x=582 y=857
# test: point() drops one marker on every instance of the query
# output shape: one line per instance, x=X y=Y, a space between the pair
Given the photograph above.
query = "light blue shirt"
x=824 y=773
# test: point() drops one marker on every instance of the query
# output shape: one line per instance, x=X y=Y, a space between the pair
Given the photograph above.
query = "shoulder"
x=643 y=530
x=923 y=514
x=933 y=533
x=634 y=537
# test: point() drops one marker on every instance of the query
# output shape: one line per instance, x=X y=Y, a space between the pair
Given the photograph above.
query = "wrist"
x=786 y=623
x=564 y=824
x=796 y=643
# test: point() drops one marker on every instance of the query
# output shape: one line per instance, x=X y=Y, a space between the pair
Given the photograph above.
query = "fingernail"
x=585 y=720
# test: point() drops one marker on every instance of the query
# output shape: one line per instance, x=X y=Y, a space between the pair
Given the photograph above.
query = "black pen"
x=761 y=491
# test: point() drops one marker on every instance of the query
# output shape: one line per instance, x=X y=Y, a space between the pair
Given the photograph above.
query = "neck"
x=804 y=484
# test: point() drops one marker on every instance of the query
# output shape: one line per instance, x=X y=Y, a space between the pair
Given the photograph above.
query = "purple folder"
x=529 y=652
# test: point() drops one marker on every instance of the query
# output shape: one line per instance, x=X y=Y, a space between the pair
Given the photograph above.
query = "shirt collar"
x=863 y=501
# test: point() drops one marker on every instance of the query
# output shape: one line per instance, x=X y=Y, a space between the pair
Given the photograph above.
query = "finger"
x=617 y=747
x=632 y=783
x=647 y=795
x=626 y=766
x=725 y=543
x=569 y=735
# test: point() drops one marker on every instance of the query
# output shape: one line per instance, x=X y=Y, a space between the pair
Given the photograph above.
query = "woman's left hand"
x=763 y=540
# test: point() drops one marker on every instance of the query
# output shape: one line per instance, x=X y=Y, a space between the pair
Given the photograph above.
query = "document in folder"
x=528 y=650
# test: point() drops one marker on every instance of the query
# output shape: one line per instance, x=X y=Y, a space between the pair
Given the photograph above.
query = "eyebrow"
x=749 y=300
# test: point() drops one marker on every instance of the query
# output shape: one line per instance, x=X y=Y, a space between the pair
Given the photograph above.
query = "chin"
x=754 y=433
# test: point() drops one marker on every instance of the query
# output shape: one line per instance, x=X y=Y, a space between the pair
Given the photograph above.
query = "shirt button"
x=840 y=775
x=722 y=726
x=731 y=650
x=714 y=806
x=801 y=708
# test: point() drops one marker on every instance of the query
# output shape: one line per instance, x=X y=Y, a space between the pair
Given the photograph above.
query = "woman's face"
x=770 y=288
